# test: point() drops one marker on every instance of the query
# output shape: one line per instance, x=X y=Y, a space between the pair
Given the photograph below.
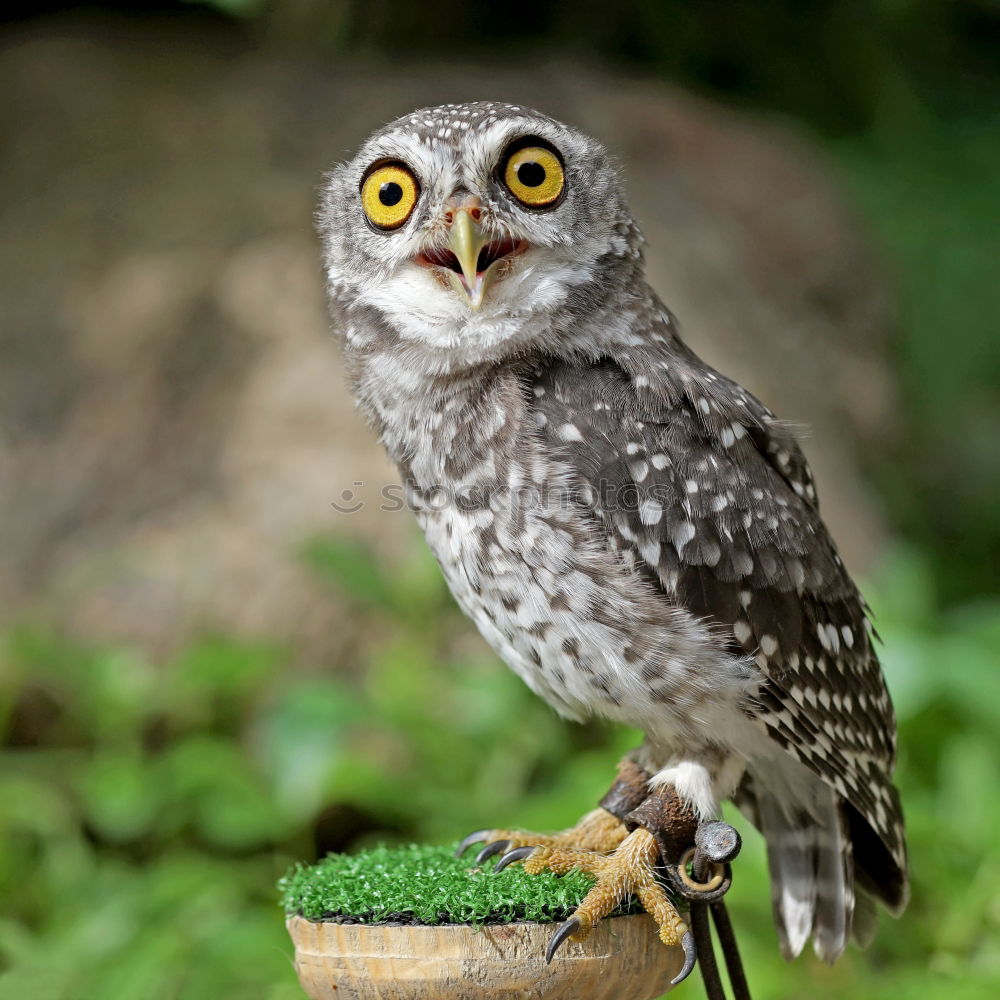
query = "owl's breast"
x=533 y=570
x=515 y=574
x=531 y=562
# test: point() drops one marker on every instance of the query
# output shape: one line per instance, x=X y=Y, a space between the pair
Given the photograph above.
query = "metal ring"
x=703 y=892
x=711 y=885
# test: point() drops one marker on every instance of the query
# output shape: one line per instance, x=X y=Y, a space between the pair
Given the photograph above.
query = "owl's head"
x=474 y=231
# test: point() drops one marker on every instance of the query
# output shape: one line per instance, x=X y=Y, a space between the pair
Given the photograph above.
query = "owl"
x=635 y=534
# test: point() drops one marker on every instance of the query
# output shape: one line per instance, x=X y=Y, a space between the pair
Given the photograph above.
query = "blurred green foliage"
x=147 y=809
x=930 y=194
x=840 y=65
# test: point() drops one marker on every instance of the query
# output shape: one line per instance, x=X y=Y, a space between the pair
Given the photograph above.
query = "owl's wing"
x=706 y=493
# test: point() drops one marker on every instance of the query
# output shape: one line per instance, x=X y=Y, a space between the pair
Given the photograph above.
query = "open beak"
x=470 y=262
x=466 y=240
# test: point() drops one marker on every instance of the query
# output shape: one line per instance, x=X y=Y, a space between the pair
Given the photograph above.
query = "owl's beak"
x=470 y=262
x=466 y=241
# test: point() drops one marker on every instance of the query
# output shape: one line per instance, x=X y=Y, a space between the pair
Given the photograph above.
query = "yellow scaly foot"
x=597 y=831
x=629 y=869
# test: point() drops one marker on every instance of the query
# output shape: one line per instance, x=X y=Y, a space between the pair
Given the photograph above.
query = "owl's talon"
x=690 y=957
x=476 y=837
x=518 y=854
x=496 y=847
x=568 y=929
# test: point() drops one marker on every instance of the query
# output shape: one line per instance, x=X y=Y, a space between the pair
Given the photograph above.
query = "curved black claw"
x=690 y=957
x=571 y=926
x=718 y=841
x=518 y=854
x=476 y=837
x=497 y=847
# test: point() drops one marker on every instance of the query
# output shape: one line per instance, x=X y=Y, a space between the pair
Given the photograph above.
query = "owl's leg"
x=599 y=830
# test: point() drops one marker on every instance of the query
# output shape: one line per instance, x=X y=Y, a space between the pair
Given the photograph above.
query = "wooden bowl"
x=622 y=958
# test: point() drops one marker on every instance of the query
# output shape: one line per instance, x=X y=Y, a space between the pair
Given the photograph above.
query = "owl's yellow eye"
x=534 y=175
x=388 y=195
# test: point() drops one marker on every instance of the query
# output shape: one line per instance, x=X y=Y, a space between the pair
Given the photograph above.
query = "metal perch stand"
x=716 y=845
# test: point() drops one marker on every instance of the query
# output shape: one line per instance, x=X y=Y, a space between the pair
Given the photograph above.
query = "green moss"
x=426 y=885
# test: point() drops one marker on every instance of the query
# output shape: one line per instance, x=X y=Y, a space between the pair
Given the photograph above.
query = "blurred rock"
x=173 y=419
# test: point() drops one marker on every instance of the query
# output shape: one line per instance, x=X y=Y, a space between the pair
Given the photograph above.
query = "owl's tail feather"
x=812 y=872
x=865 y=917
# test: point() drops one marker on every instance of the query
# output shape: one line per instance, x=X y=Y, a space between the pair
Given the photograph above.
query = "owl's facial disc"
x=471 y=262
x=474 y=232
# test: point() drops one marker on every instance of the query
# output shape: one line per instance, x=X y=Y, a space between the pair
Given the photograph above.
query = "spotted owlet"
x=635 y=534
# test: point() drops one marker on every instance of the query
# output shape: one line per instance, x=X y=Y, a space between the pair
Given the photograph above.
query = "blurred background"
x=207 y=672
